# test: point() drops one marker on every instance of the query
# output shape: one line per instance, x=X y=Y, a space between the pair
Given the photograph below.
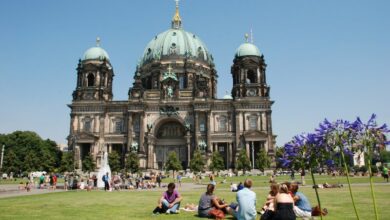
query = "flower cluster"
x=318 y=148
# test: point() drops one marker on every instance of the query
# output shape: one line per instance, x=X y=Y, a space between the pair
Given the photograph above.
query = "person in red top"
x=54 y=181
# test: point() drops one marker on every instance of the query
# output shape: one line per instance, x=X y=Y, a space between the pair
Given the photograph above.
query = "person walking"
x=106 y=180
x=385 y=173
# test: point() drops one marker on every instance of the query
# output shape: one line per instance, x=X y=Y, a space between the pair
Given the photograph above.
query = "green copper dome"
x=95 y=53
x=247 y=49
x=227 y=96
x=176 y=42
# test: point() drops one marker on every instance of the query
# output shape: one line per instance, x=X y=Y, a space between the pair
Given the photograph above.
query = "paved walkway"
x=12 y=190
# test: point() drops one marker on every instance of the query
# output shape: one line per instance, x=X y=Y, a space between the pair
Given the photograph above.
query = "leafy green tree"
x=243 y=163
x=132 y=162
x=262 y=160
x=31 y=151
x=114 y=161
x=88 y=163
x=384 y=156
x=173 y=163
x=197 y=162
x=11 y=162
x=217 y=162
x=67 y=162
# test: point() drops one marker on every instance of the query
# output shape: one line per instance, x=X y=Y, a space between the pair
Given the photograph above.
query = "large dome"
x=247 y=49
x=179 y=42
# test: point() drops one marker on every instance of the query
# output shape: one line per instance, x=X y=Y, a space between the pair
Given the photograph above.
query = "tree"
x=197 y=162
x=27 y=146
x=262 y=160
x=11 y=162
x=114 y=161
x=173 y=163
x=243 y=162
x=132 y=162
x=217 y=162
x=88 y=164
x=66 y=164
x=384 y=156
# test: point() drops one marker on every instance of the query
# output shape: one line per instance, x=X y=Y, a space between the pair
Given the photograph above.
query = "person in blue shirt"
x=246 y=200
x=106 y=180
x=302 y=207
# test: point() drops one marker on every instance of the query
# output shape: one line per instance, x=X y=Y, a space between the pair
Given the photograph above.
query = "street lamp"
x=2 y=156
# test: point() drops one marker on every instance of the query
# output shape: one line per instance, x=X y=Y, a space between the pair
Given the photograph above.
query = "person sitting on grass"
x=270 y=201
x=208 y=202
x=169 y=201
x=246 y=200
x=302 y=207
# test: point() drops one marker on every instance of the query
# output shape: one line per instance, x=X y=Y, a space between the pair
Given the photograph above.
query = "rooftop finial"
x=98 y=41
x=246 y=37
x=176 y=20
x=251 y=36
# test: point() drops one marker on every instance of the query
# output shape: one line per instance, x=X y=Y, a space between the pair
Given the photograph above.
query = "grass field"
x=139 y=204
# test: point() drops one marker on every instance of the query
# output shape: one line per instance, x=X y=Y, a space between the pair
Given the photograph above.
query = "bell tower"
x=248 y=71
x=94 y=75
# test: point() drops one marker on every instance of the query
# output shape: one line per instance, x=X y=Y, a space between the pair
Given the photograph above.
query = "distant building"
x=63 y=147
x=172 y=104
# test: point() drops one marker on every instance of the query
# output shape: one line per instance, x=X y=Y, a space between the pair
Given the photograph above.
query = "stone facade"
x=172 y=106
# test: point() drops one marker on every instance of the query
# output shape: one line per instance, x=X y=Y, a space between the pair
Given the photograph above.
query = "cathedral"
x=172 y=104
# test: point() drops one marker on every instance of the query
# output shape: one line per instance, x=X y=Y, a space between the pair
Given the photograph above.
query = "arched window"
x=91 y=80
x=251 y=76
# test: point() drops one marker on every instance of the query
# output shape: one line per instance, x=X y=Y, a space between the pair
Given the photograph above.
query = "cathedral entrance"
x=170 y=138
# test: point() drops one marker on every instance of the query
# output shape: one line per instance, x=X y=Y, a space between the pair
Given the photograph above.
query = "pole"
x=2 y=156
x=253 y=156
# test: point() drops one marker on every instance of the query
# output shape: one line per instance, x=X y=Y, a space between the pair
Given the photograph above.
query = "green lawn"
x=139 y=204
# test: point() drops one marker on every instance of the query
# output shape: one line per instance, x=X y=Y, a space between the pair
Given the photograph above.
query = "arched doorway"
x=170 y=138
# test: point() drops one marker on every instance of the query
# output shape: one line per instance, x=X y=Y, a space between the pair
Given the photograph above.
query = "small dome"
x=176 y=42
x=95 y=53
x=227 y=96
x=247 y=49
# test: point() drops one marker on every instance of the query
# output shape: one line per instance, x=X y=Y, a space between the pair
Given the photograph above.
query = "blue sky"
x=326 y=59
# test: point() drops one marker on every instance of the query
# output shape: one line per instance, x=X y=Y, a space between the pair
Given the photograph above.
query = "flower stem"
x=349 y=184
x=372 y=186
x=316 y=190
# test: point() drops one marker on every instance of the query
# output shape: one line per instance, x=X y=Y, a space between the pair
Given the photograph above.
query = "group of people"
x=118 y=182
x=284 y=202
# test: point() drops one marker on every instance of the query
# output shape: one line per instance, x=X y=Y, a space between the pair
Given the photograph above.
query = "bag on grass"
x=316 y=211
x=217 y=213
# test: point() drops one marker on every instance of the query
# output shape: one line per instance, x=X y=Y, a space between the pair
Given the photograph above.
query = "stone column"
x=188 y=138
x=129 y=131
x=142 y=134
x=109 y=148
x=196 y=116
x=150 y=158
x=238 y=115
x=247 y=148
x=208 y=118
x=230 y=155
